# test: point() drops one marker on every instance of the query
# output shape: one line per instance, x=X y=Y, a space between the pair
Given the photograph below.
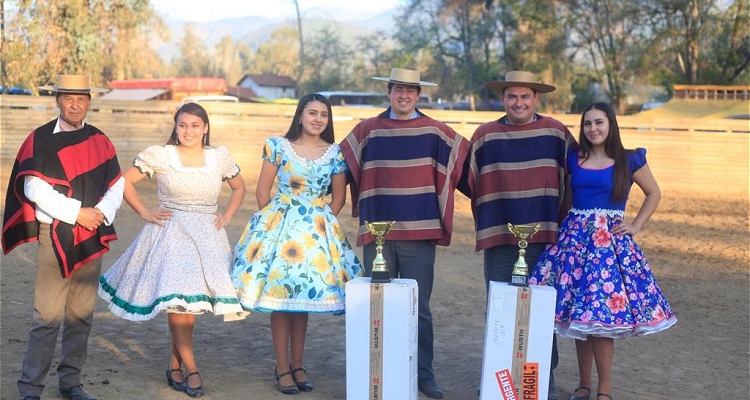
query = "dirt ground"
x=697 y=244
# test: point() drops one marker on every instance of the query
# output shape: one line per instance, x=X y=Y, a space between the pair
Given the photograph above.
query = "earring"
x=205 y=138
x=177 y=139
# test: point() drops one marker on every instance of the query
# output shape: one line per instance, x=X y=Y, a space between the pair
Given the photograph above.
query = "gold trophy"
x=379 y=269
x=520 y=268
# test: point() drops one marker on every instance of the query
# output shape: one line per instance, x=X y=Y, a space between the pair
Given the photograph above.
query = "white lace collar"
x=323 y=159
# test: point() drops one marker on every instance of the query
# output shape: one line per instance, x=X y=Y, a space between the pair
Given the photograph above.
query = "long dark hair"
x=192 y=109
x=295 y=129
x=613 y=148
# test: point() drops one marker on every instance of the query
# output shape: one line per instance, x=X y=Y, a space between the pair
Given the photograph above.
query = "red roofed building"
x=165 y=89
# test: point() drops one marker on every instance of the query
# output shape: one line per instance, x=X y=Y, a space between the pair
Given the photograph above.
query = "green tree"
x=465 y=43
x=328 y=62
x=230 y=60
x=729 y=49
x=533 y=37
x=375 y=55
x=610 y=37
x=447 y=41
x=128 y=27
x=681 y=26
x=194 y=59
x=279 y=54
x=97 y=38
x=698 y=42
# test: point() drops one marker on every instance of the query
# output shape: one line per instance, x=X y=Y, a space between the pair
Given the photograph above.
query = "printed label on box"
x=505 y=381
x=530 y=381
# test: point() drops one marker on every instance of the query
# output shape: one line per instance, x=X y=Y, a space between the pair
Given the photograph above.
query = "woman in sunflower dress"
x=293 y=258
x=605 y=287
x=180 y=261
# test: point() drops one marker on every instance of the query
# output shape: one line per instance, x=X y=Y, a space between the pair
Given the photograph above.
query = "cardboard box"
x=517 y=342
x=381 y=340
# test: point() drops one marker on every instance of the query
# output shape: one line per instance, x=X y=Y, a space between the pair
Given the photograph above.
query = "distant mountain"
x=254 y=30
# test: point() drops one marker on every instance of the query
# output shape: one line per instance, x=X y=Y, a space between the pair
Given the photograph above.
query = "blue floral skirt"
x=604 y=284
x=294 y=257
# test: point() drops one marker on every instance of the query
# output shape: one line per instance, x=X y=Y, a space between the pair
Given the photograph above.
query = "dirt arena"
x=697 y=243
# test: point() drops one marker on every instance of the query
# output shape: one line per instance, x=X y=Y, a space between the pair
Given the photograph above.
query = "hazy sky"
x=210 y=10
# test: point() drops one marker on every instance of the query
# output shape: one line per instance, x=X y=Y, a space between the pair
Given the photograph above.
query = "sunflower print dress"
x=293 y=255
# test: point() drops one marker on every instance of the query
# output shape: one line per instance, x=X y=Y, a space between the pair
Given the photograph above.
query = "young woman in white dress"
x=180 y=261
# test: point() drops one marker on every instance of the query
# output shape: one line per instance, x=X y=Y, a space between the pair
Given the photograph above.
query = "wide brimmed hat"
x=73 y=84
x=520 y=78
x=405 y=77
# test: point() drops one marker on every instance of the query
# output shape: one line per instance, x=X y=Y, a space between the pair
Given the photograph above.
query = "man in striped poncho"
x=517 y=174
x=404 y=167
x=64 y=191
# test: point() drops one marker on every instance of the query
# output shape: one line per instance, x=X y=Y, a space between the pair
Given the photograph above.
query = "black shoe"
x=76 y=393
x=178 y=386
x=584 y=397
x=291 y=389
x=30 y=398
x=431 y=389
x=303 y=386
x=193 y=391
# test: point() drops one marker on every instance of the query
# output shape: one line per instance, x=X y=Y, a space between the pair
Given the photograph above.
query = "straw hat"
x=520 y=78
x=73 y=84
x=404 y=76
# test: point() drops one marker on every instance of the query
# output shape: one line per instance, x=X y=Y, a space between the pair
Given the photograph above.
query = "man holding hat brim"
x=516 y=174
x=404 y=167
x=64 y=192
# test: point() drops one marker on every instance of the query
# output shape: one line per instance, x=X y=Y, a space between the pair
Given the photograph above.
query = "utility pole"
x=2 y=47
x=301 y=66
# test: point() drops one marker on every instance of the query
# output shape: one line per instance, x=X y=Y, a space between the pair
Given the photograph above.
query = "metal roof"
x=176 y=84
x=270 y=80
x=133 y=94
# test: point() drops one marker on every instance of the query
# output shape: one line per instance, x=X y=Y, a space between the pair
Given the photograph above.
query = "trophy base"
x=519 y=280
x=380 y=277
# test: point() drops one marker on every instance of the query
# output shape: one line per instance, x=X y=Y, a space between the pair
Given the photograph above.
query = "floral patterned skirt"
x=293 y=256
x=181 y=267
x=604 y=284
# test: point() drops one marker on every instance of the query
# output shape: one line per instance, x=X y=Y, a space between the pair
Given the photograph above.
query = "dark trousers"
x=412 y=259
x=498 y=267
x=57 y=301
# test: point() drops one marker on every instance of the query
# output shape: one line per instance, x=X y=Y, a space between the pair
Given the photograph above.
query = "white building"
x=270 y=86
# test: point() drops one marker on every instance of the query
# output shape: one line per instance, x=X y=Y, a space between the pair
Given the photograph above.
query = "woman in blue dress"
x=293 y=258
x=605 y=287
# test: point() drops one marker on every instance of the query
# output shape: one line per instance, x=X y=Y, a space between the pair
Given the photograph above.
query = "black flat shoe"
x=193 y=391
x=178 y=386
x=584 y=397
x=291 y=389
x=303 y=386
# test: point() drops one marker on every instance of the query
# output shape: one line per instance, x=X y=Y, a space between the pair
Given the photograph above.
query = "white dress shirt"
x=51 y=204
